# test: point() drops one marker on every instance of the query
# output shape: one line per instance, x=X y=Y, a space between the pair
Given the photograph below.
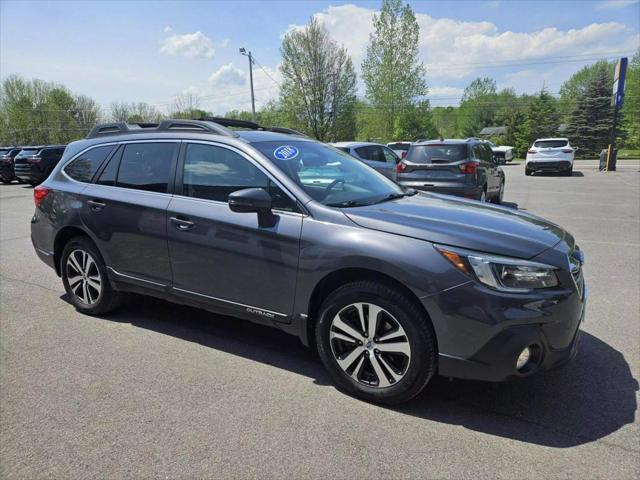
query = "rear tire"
x=84 y=276
x=500 y=195
x=569 y=173
x=5 y=181
x=527 y=172
x=390 y=364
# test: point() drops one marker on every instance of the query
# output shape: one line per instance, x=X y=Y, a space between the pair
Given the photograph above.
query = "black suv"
x=34 y=164
x=391 y=285
x=7 y=154
x=456 y=167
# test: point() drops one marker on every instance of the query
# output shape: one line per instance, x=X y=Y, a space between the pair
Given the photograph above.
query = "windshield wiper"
x=394 y=196
x=348 y=203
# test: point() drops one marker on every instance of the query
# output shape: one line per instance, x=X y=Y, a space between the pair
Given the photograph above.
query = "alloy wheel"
x=83 y=276
x=370 y=345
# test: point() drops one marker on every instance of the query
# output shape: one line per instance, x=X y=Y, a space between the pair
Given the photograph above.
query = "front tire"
x=376 y=343
x=500 y=195
x=84 y=276
x=527 y=172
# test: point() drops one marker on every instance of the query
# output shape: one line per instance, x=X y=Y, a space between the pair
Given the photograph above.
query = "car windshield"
x=329 y=175
x=27 y=152
x=437 y=153
x=550 y=143
x=4 y=152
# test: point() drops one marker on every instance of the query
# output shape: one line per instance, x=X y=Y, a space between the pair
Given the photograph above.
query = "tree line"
x=318 y=96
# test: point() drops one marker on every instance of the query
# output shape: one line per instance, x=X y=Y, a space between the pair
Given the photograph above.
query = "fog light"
x=523 y=358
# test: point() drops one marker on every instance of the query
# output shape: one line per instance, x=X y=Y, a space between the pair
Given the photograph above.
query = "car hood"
x=462 y=223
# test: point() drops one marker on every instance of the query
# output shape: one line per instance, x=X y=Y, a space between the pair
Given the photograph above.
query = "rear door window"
x=83 y=168
x=146 y=166
x=374 y=153
x=551 y=143
x=437 y=153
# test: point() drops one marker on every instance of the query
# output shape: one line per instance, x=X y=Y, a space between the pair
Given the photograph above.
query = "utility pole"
x=244 y=52
x=617 y=100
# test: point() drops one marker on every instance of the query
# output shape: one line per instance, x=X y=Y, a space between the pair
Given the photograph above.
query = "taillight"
x=6 y=159
x=567 y=150
x=470 y=167
x=404 y=155
x=532 y=151
x=33 y=159
x=39 y=194
x=400 y=167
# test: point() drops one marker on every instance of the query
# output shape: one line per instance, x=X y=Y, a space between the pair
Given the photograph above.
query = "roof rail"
x=232 y=122
x=118 y=128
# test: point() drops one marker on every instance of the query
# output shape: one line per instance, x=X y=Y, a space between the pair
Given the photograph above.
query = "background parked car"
x=502 y=153
x=380 y=157
x=550 y=155
x=399 y=148
x=34 y=164
x=457 y=167
x=7 y=154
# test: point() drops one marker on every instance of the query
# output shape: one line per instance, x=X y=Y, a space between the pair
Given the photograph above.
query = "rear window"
x=399 y=146
x=83 y=168
x=437 y=153
x=551 y=143
x=4 y=152
x=344 y=149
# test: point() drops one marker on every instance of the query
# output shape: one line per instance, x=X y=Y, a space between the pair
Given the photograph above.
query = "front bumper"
x=481 y=332
x=30 y=172
x=6 y=171
x=550 y=166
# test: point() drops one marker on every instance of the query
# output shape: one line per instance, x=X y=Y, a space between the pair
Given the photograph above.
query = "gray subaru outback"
x=391 y=285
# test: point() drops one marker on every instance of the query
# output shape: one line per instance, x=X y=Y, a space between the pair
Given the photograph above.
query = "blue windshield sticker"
x=286 y=152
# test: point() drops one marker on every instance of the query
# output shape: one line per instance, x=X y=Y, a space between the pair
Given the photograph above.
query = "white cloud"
x=224 y=43
x=228 y=88
x=435 y=92
x=611 y=4
x=455 y=49
x=168 y=29
x=493 y=4
x=196 y=45
x=227 y=75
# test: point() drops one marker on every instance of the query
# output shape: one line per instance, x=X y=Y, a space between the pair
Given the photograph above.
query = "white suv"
x=550 y=155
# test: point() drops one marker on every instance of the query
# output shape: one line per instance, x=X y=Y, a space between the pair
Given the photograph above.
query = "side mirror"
x=253 y=200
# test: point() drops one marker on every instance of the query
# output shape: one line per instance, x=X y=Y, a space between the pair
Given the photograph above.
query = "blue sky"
x=151 y=51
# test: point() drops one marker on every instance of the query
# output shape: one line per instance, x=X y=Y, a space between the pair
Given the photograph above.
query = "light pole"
x=253 y=101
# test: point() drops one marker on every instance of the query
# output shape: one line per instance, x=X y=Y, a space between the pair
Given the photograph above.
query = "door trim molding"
x=255 y=310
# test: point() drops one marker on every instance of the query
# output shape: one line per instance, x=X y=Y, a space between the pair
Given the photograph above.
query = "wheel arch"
x=62 y=238
x=342 y=276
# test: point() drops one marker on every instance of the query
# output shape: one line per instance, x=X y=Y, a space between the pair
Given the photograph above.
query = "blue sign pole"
x=617 y=100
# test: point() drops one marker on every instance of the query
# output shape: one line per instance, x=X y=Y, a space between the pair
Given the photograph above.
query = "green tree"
x=540 y=120
x=445 y=120
x=478 y=107
x=319 y=83
x=134 y=112
x=415 y=122
x=35 y=111
x=576 y=86
x=631 y=108
x=393 y=76
x=590 y=122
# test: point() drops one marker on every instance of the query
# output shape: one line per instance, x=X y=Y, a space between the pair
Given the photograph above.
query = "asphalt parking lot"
x=160 y=390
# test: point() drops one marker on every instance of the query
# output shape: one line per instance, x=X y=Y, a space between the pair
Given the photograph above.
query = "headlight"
x=501 y=273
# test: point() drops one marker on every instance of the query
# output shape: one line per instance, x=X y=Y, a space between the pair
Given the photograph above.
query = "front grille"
x=499 y=154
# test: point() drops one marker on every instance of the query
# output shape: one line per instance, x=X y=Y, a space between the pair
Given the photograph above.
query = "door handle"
x=96 y=205
x=182 y=223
